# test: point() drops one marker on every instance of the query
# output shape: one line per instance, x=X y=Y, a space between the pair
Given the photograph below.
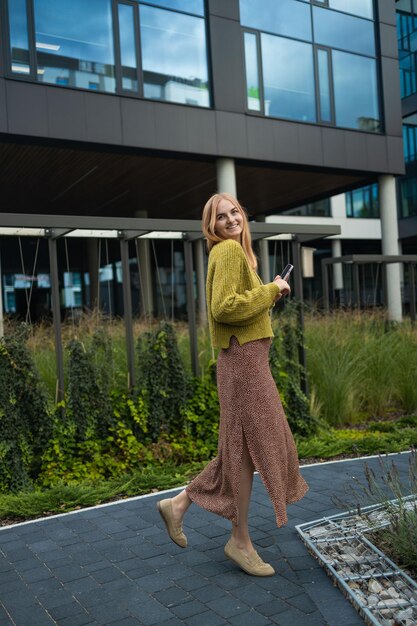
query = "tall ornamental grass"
x=361 y=367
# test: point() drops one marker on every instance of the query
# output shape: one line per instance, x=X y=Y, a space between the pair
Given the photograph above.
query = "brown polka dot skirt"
x=251 y=410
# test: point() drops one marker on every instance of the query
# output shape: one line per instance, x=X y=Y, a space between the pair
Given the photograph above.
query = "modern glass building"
x=130 y=108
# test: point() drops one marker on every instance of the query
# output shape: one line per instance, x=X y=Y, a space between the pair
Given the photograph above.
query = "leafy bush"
x=25 y=423
x=287 y=372
x=163 y=381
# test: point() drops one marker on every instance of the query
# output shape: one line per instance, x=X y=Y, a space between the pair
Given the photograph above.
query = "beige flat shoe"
x=252 y=564
x=175 y=532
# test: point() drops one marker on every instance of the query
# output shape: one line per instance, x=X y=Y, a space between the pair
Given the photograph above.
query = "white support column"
x=145 y=272
x=389 y=230
x=226 y=176
x=337 y=267
x=201 y=282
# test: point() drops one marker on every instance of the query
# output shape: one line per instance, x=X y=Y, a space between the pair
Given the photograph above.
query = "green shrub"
x=25 y=423
x=162 y=380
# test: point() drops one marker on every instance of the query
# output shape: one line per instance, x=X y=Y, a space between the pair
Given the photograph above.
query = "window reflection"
x=363 y=8
x=355 y=91
x=252 y=75
x=408 y=196
x=128 y=47
x=174 y=57
x=189 y=6
x=74 y=43
x=19 y=41
x=324 y=85
x=289 y=84
x=363 y=202
x=337 y=30
x=410 y=138
x=283 y=17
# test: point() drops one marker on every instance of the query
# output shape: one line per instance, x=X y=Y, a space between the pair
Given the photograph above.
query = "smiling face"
x=229 y=220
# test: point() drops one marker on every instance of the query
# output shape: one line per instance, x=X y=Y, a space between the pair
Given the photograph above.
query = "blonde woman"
x=253 y=434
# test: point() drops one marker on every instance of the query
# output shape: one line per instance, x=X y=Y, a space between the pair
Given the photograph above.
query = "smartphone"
x=286 y=271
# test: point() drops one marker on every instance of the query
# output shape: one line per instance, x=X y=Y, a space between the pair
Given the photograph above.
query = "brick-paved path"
x=115 y=565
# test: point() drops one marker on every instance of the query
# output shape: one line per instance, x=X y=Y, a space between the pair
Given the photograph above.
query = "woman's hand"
x=284 y=287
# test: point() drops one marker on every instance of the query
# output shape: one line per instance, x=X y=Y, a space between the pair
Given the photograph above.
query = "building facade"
x=131 y=108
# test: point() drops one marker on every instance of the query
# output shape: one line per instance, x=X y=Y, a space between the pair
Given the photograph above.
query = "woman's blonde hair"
x=209 y=225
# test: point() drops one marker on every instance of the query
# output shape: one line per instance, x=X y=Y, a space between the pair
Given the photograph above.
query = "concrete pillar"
x=145 y=272
x=226 y=176
x=337 y=267
x=93 y=269
x=201 y=281
x=389 y=230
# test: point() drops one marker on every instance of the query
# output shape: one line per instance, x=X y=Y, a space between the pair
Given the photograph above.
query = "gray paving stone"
x=66 y=573
x=107 y=613
x=272 y=607
x=209 y=618
x=251 y=618
x=303 y=602
x=253 y=595
x=228 y=606
x=190 y=583
x=172 y=596
x=209 y=592
x=151 y=612
x=188 y=609
x=106 y=575
x=82 y=619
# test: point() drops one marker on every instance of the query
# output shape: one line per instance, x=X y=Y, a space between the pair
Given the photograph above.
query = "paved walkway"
x=114 y=565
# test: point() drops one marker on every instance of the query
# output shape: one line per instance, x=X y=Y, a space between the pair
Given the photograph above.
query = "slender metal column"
x=189 y=277
x=412 y=290
x=298 y=292
x=127 y=306
x=56 y=314
x=356 y=286
x=201 y=283
x=93 y=271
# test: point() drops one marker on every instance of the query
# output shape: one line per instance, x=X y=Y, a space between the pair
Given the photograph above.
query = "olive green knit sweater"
x=238 y=303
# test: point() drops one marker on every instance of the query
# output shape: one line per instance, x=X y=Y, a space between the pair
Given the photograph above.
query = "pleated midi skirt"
x=251 y=411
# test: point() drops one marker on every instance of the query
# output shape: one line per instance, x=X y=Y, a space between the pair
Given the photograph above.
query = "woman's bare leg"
x=180 y=504
x=240 y=532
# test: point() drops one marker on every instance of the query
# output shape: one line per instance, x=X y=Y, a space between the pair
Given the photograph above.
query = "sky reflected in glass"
x=337 y=30
x=283 y=17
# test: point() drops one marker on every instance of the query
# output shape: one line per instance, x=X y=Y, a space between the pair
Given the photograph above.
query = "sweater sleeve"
x=228 y=306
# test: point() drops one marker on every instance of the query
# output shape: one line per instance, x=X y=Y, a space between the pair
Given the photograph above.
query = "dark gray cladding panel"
x=260 y=138
x=377 y=153
x=391 y=96
x=171 y=127
x=225 y=8
x=3 y=107
x=389 y=41
x=103 y=119
x=138 y=123
x=227 y=65
x=334 y=147
x=356 y=152
x=286 y=145
x=310 y=144
x=395 y=152
x=386 y=12
x=231 y=134
x=27 y=115
x=66 y=113
x=201 y=131
x=407 y=227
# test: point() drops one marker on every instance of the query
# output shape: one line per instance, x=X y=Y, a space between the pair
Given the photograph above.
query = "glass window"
x=252 y=75
x=324 y=85
x=363 y=8
x=408 y=196
x=289 y=83
x=410 y=138
x=355 y=91
x=320 y=208
x=283 y=17
x=128 y=47
x=337 y=30
x=19 y=40
x=363 y=202
x=189 y=6
x=74 y=43
x=174 y=57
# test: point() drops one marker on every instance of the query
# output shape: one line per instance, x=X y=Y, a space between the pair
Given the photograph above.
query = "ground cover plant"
x=105 y=441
